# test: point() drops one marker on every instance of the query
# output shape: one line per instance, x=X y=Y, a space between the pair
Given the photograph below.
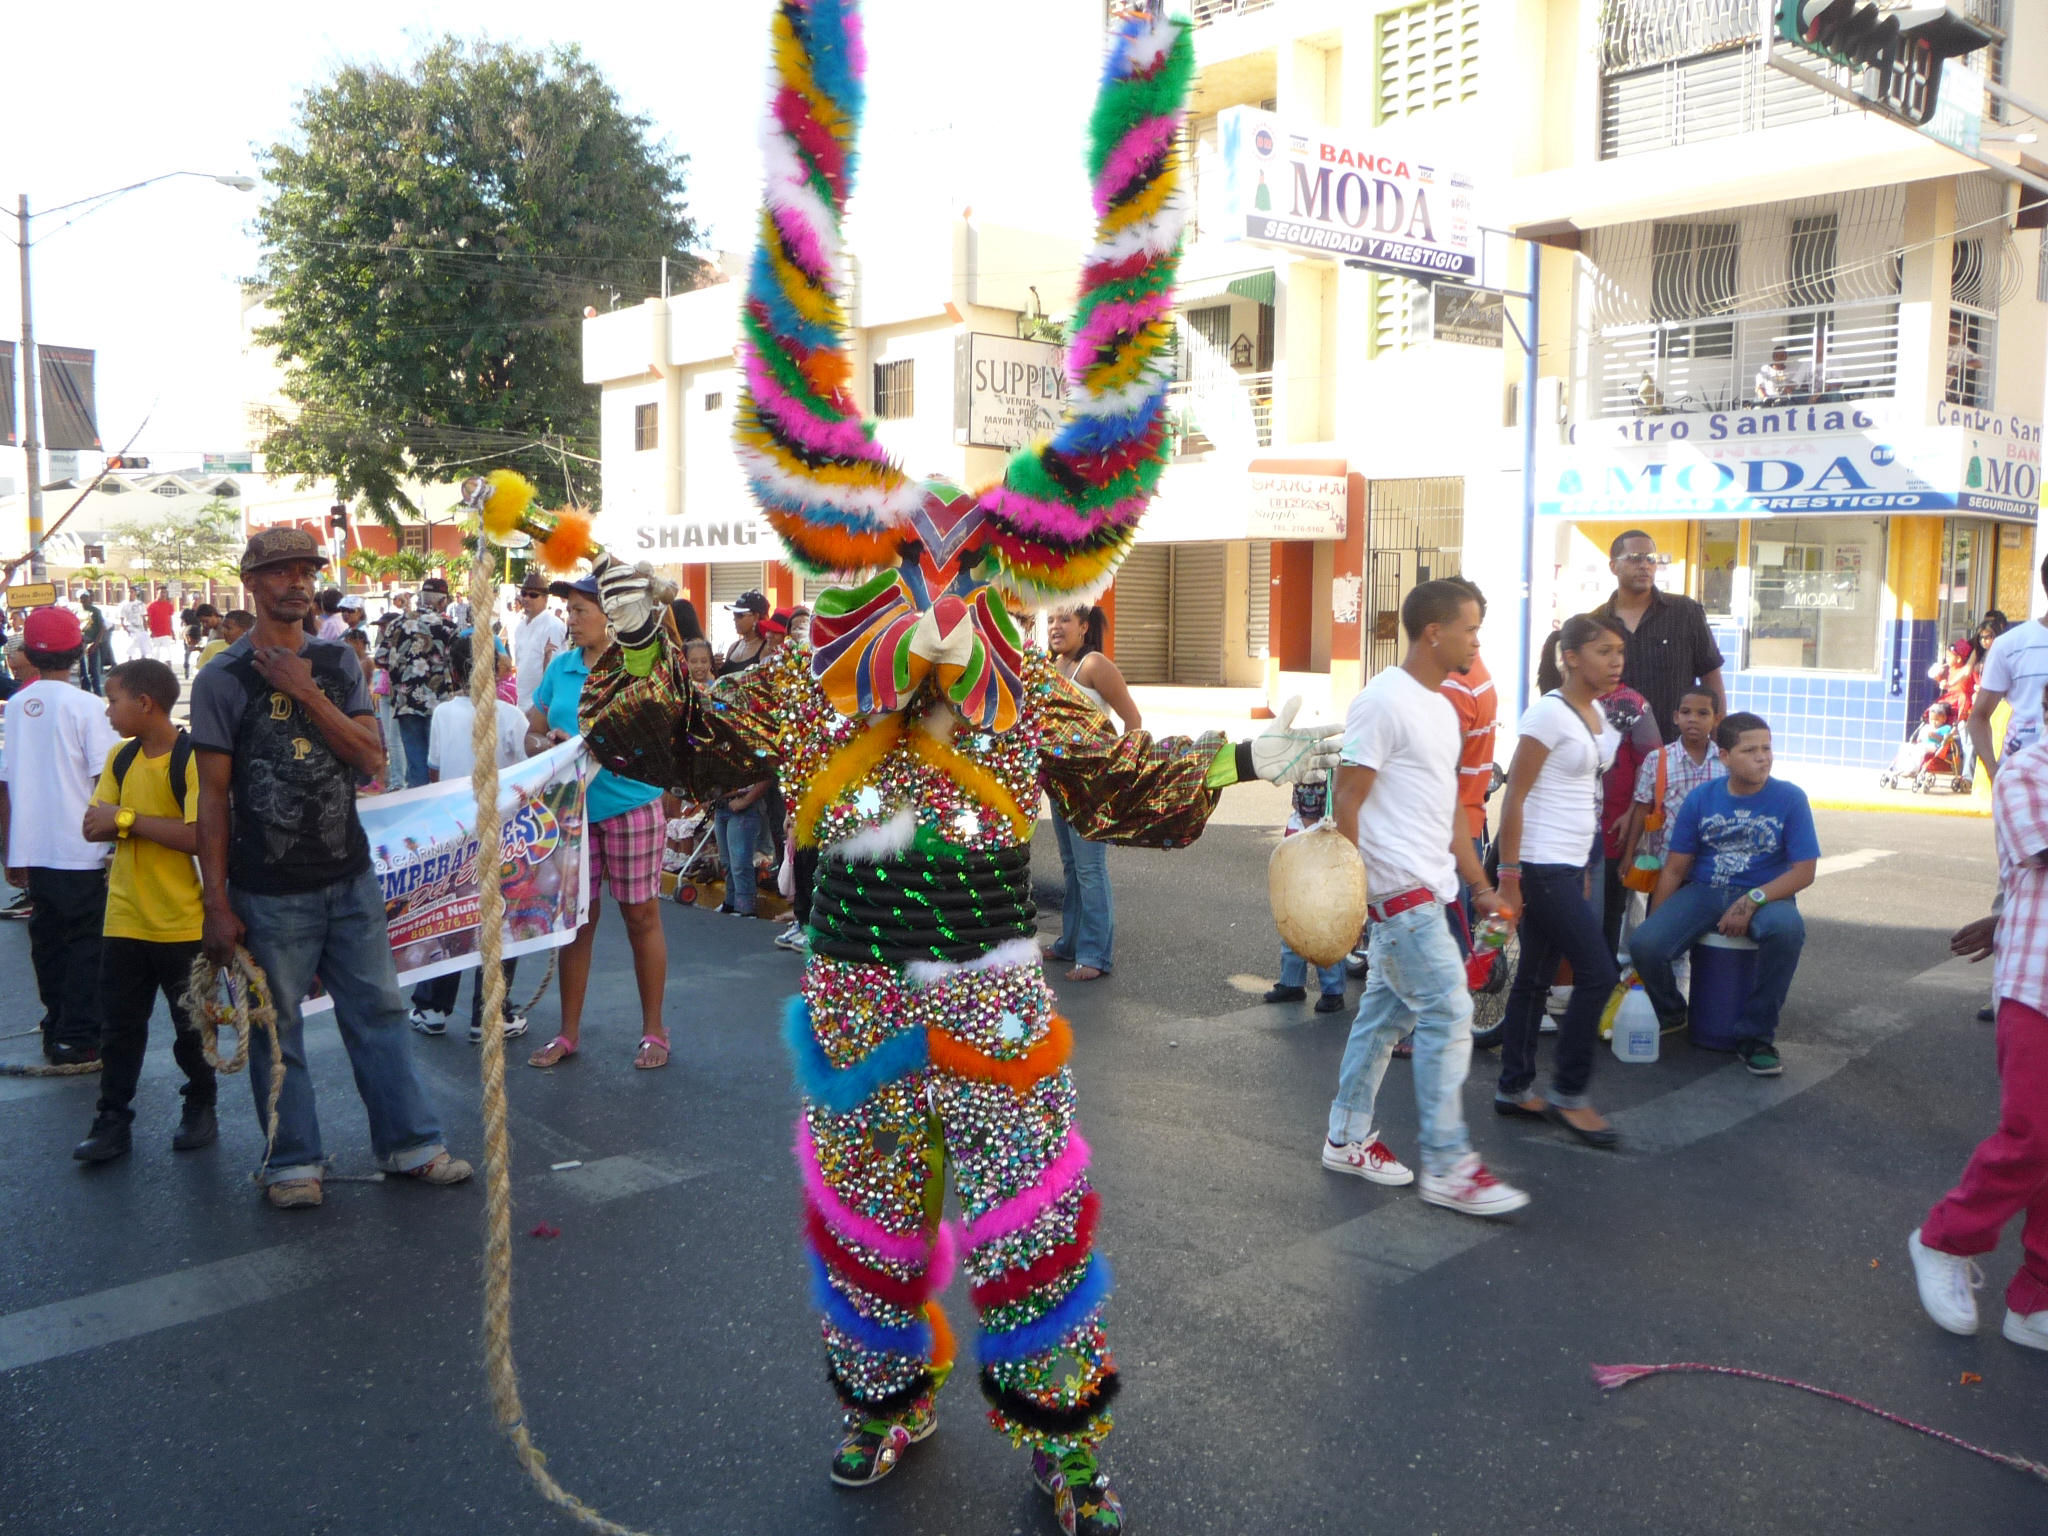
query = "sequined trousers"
x=907 y=1073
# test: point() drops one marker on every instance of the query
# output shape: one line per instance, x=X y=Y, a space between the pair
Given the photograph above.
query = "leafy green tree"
x=431 y=237
x=186 y=546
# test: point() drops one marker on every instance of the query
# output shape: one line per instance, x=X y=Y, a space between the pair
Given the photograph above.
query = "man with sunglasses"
x=1670 y=648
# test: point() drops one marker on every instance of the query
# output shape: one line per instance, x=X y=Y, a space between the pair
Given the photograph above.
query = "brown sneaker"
x=291 y=1194
x=444 y=1169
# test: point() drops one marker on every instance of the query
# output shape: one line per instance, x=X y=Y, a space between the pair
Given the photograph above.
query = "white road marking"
x=1842 y=863
x=128 y=1311
x=616 y=1178
x=1957 y=975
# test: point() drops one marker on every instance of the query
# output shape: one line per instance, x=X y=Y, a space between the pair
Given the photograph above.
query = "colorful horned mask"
x=1065 y=512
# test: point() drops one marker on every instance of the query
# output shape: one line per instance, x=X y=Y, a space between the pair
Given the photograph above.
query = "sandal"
x=1086 y=973
x=557 y=1050
x=651 y=1043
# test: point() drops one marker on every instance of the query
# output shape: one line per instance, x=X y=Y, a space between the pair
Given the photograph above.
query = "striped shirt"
x=1669 y=650
x=1472 y=694
x=2019 y=816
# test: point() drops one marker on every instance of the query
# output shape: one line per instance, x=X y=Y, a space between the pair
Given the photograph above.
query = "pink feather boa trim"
x=1108 y=321
x=899 y=1247
x=1050 y=520
x=1026 y=1206
x=804 y=245
x=842 y=439
x=1140 y=147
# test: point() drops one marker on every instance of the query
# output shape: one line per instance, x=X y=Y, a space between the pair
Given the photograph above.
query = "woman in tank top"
x=1088 y=918
x=1549 y=820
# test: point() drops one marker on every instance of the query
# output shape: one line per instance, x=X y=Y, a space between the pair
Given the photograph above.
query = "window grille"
x=1428 y=58
x=895 y=389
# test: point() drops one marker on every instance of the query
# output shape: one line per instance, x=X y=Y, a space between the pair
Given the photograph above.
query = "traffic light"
x=128 y=461
x=1903 y=49
x=337 y=518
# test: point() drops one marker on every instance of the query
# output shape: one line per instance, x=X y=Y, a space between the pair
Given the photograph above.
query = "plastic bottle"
x=1636 y=1031
x=1492 y=933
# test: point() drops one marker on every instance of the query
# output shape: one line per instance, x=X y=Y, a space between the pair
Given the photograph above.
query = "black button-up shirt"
x=1670 y=650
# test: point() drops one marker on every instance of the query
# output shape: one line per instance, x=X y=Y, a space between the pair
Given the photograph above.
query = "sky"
x=968 y=103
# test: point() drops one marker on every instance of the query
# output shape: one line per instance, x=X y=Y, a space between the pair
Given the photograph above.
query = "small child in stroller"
x=1933 y=752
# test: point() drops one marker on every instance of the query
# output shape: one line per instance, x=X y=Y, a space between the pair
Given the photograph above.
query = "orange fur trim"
x=973 y=778
x=837 y=549
x=829 y=373
x=942 y=1337
x=949 y=1053
x=844 y=769
x=568 y=543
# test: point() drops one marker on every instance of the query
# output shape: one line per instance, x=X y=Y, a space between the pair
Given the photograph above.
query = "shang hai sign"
x=1363 y=196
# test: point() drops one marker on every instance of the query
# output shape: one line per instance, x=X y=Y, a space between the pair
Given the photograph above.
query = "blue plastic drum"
x=1723 y=975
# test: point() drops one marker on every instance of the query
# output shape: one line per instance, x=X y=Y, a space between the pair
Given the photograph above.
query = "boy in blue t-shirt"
x=1741 y=849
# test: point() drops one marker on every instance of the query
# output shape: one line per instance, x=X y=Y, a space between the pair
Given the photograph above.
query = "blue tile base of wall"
x=1851 y=722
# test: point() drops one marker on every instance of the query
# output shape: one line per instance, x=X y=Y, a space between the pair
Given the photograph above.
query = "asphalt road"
x=1302 y=1352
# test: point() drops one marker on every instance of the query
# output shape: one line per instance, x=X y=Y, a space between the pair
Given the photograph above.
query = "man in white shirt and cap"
x=538 y=637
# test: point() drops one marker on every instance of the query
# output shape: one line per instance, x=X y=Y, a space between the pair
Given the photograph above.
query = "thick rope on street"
x=541 y=991
x=47 y=1069
x=237 y=997
x=498 y=1365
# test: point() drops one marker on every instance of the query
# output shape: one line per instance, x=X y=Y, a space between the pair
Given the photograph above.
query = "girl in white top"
x=1548 y=821
x=1088 y=919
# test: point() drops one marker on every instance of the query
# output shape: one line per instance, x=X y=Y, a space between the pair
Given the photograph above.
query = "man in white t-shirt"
x=58 y=738
x=539 y=637
x=1397 y=797
x=2015 y=670
x=135 y=626
x=451 y=755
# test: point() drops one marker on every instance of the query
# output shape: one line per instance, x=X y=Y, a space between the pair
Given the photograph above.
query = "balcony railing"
x=1225 y=411
x=1208 y=12
x=1841 y=352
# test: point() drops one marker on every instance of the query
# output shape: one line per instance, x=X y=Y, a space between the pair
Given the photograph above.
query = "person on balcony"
x=1784 y=380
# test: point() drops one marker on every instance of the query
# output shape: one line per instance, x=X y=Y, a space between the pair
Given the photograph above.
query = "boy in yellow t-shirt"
x=147 y=806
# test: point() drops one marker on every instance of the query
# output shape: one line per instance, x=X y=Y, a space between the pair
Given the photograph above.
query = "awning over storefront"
x=1258 y=287
x=1794 y=461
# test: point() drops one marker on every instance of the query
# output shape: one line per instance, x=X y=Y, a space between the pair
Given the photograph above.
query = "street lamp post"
x=31 y=447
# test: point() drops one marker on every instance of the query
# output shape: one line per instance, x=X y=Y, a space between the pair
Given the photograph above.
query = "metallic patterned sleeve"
x=1149 y=791
x=661 y=729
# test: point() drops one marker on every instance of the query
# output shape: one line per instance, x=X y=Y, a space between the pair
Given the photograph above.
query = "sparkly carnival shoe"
x=873 y=1447
x=1082 y=1500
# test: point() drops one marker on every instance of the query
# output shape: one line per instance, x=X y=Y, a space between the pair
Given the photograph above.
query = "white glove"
x=633 y=597
x=1285 y=753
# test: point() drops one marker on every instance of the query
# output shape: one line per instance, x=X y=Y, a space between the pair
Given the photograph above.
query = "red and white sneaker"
x=1468 y=1187
x=1370 y=1159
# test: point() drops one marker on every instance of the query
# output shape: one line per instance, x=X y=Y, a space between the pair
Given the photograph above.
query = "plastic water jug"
x=1636 y=1031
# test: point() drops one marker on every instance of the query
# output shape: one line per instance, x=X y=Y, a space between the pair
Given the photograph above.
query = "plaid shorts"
x=625 y=850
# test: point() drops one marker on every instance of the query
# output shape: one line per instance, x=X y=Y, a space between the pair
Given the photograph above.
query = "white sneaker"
x=1468 y=1187
x=792 y=938
x=1369 y=1159
x=429 y=1021
x=2030 y=1330
x=515 y=1026
x=1947 y=1286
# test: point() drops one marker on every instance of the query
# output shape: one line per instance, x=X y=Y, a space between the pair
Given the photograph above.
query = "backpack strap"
x=180 y=766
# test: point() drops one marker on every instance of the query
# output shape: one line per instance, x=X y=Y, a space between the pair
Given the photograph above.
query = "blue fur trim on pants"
x=1035 y=1338
x=915 y=1341
x=844 y=1089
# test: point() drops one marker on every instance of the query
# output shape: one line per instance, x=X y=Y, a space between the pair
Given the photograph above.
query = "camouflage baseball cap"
x=274 y=546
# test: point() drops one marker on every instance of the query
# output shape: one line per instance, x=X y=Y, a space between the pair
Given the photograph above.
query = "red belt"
x=1393 y=906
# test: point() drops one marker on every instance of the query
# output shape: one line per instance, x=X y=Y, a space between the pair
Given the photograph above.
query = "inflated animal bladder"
x=1317 y=885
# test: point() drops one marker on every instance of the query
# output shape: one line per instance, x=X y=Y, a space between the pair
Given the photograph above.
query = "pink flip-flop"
x=658 y=1042
x=568 y=1049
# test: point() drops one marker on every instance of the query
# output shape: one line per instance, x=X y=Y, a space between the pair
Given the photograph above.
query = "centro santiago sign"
x=1909 y=469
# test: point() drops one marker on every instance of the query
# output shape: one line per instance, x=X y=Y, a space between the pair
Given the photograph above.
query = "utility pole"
x=31 y=449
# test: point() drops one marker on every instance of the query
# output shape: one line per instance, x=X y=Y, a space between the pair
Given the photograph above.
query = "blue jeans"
x=336 y=934
x=739 y=834
x=1689 y=914
x=1558 y=922
x=412 y=734
x=1088 y=915
x=1415 y=980
x=1294 y=972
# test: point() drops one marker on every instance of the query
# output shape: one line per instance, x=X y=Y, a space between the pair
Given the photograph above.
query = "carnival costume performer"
x=913 y=733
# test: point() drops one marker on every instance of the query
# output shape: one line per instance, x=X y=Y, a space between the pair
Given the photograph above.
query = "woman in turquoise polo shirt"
x=625 y=843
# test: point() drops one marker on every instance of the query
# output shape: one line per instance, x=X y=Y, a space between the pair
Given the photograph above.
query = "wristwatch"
x=1756 y=896
x=124 y=821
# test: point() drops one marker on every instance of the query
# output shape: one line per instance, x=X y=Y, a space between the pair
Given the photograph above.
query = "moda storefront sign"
x=1992 y=468
x=1372 y=197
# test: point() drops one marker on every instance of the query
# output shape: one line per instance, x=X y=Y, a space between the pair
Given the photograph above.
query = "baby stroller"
x=1931 y=756
x=690 y=852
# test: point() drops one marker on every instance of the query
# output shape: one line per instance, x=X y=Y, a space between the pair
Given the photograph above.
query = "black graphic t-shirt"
x=293 y=826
